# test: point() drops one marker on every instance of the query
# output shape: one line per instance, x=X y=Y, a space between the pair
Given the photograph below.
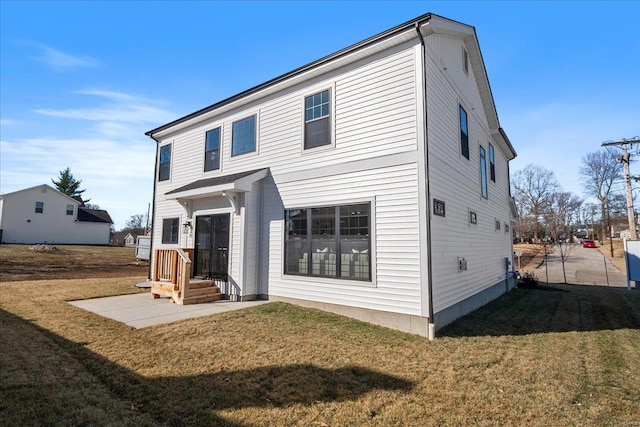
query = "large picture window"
x=170 y=230
x=243 y=136
x=464 y=133
x=317 y=122
x=164 y=165
x=212 y=150
x=332 y=241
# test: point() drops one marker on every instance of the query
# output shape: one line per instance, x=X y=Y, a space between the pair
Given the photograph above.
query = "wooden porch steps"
x=197 y=291
x=172 y=277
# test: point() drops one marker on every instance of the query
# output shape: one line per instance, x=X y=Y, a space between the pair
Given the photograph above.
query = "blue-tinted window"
x=164 y=166
x=69 y=209
x=39 y=207
x=243 y=136
x=464 y=133
x=483 y=172
x=212 y=150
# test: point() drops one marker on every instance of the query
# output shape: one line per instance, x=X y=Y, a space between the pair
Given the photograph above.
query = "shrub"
x=528 y=280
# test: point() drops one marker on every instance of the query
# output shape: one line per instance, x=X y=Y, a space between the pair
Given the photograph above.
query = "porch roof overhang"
x=234 y=183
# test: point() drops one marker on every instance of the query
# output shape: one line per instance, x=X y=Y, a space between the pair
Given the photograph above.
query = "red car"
x=588 y=243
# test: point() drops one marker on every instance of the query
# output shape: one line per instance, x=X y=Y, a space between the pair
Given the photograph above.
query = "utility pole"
x=626 y=159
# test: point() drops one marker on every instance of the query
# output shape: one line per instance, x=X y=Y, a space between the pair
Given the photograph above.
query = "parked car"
x=588 y=243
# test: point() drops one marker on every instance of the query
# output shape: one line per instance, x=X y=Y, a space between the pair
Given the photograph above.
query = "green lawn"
x=562 y=356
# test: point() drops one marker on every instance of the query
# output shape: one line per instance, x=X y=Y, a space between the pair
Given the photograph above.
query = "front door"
x=212 y=246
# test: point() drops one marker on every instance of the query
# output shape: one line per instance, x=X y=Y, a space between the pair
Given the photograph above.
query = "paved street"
x=583 y=266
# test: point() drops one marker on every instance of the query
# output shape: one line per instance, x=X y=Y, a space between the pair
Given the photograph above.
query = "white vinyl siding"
x=457 y=183
x=375 y=115
x=392 y=193
x=21 y=224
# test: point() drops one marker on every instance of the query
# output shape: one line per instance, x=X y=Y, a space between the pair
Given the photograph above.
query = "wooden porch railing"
x=174 y=266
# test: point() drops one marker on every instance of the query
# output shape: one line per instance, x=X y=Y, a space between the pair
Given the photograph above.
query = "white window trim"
x=253 y=153
x=465 y=60
x=220 y=148
x=461 y=104
x=170 y=163
x=483 y=188
x=323 y=281
x=332 y=119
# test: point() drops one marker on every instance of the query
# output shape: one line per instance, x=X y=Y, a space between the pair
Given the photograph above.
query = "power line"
x=625 y=159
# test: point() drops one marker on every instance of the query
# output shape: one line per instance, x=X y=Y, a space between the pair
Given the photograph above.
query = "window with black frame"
x=329 y=242
x=170 y=230
x=164 y=165
x=212 y=150
x=317 y=123
x=464 y=133
x=243 y=136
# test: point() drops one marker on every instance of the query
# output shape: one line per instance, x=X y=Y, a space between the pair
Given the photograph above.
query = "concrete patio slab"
x=140 y=310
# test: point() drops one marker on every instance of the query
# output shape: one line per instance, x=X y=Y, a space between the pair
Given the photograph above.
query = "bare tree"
x=533 y=188
x=600 y=169
x=136 y=224
x=558 y=216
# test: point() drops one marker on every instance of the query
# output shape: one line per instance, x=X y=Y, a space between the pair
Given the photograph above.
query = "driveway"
x=583 y=266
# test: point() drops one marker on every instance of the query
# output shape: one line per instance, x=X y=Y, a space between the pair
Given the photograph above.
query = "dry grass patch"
x=534 y=357
x=25 y=262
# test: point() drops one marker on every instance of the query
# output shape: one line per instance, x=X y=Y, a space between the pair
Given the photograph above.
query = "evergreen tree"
x=68 y=185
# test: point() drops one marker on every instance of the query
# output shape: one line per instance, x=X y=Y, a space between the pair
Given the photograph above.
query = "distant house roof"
x=45 y=186
x=93 y=215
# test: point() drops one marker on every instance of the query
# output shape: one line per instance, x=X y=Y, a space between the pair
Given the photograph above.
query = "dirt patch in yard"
x=532 y=255
x=45 y=262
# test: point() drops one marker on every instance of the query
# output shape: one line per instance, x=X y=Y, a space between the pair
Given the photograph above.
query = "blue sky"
x=80 y=82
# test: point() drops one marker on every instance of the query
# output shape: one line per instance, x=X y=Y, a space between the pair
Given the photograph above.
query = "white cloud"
x=108 y=151
x=122 y=108
x=9 y=122
x=61 y=61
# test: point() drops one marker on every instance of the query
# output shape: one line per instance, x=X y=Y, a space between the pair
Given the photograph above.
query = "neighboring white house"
x=373 y=182
x=42 y=214
x=130 y=240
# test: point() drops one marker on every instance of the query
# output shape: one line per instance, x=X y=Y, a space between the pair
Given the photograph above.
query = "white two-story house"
x=42 y=214
x=373 y=182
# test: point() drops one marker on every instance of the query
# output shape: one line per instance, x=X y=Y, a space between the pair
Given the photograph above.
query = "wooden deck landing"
x=172 y=279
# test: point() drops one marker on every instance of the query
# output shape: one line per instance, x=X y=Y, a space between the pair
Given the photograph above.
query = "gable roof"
x=216 y=181
x=55 y=190
x=427 y=24
x=93 y=215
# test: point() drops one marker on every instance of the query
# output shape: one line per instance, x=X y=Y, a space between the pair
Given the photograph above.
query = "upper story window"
x=465 y=61
x=39 y=207
x=164 y=165
x=69 y=209
x=483 y=172
x=212 y=150
x=317 y=121
x=492 y=163
x=170 y=230
x=464 y=133
x=243 y=136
